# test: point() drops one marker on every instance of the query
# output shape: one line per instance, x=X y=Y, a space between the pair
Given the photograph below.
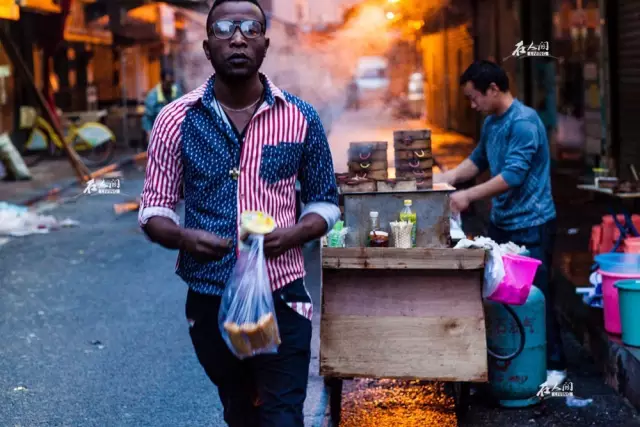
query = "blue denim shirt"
x=515 y=145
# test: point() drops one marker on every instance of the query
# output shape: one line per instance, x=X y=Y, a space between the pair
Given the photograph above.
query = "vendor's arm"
x=523 y=145
x=318 y=191
x=469 y=168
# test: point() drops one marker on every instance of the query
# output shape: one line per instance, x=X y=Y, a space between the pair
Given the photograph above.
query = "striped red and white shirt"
x=225 y=174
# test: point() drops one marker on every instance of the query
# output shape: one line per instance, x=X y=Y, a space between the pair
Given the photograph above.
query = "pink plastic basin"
x=519 y=272
x=610 y=298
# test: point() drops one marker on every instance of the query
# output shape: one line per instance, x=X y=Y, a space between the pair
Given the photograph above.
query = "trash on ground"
x=97 y=343
x=576 y=402
x=20 y=388
x=17 y=221
x=121 y=208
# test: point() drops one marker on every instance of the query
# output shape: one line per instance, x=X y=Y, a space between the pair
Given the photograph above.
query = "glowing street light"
x=390 y=15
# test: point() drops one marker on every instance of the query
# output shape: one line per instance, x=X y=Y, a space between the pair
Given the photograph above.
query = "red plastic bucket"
x=519 y=272
x=632 y=245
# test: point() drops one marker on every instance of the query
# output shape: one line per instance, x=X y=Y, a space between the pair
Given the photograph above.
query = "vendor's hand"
x=459 y=201
x=442 y=178
x=278 y=242
x=204 y=246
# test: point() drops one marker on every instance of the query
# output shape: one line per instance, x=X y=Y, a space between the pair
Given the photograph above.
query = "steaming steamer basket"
x=368 y=151
x=391 y=185
x=412 y=140
x=413 y=155
x=368 y=166
x=425 y=165
x=376 y=156
x=361 y=186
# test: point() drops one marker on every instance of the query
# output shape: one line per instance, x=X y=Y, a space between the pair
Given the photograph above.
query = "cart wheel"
x=462 y=399
x=461 y=394
x=335 y=399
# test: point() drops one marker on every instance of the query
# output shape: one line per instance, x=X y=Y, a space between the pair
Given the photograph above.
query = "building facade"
x=571 y=89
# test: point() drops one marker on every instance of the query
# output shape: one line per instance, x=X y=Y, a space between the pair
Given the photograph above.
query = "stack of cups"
x=401 y=232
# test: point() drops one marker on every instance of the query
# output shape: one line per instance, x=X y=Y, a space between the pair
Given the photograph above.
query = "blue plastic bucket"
x=629 y=297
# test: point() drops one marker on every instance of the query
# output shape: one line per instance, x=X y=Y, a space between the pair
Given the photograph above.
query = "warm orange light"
x=390 y=15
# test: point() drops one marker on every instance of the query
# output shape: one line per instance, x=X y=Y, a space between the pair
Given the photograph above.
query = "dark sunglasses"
x=224 y=29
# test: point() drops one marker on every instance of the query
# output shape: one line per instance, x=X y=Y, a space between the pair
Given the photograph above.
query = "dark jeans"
x=266 y=390
x=540 y=241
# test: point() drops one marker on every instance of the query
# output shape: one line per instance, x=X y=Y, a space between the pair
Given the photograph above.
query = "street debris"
x=121 y=208
x=98 y=344
x=576 y=402
x=18 y=221
x=20 y=388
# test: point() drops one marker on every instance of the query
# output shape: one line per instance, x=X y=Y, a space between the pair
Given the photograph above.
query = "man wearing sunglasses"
x=240 y=143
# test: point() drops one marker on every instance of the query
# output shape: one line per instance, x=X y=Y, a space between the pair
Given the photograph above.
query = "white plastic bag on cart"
x=494 y=268
x=247 y=317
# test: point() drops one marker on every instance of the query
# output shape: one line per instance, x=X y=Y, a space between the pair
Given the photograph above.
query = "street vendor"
x=514 y=148
x=159 y=97
x=240 y=143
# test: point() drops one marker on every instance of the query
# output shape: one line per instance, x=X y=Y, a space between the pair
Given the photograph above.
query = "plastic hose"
x=522 y=338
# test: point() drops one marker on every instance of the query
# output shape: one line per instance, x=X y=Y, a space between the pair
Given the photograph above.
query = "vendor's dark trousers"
x=540 y=241
x=266 y=390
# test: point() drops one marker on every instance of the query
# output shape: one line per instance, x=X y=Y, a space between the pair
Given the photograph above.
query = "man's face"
x=240 y=56
x=483 y=103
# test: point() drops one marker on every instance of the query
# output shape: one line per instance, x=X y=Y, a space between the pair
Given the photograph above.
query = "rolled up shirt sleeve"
x=318 y=186
x=161 y=191
x=523 y=145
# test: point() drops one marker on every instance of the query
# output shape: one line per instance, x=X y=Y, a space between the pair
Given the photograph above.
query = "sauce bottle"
x=377 y=237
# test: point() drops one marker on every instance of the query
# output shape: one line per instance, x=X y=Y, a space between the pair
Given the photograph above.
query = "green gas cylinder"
x=516 y=383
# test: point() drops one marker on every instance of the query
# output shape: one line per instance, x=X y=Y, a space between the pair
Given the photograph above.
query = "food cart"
x=392 y=313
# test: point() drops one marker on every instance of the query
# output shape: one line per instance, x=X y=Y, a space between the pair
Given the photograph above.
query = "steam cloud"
x=315 y=67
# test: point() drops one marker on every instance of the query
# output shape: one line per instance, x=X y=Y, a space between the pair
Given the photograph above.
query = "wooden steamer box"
x=368 y=160
x=413 y=156
x=367 y=165
x=403 y=313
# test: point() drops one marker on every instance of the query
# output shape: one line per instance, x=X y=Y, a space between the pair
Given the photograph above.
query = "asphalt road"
x=94 y=332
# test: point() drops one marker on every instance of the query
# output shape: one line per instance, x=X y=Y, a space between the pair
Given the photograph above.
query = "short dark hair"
x=217 y=3
x=483 y=73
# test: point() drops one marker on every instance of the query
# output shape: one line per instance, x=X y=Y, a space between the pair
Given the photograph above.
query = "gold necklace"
x=240 y=109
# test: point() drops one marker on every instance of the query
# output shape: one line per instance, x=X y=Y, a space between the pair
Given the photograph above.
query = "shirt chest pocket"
x=280 y=162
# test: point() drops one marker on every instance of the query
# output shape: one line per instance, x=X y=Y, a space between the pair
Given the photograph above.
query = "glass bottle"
x=377 y=237
x=409 y=216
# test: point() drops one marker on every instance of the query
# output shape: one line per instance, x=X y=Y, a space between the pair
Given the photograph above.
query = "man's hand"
x=204 y=246
x=459 y=201
x=443 y=178
x=278 y=242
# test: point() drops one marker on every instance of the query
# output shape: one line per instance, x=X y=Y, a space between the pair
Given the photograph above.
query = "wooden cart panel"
x=422 y=319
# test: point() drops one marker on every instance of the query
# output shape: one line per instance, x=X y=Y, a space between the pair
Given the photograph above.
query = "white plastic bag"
x=247 y=317
x=494 y=268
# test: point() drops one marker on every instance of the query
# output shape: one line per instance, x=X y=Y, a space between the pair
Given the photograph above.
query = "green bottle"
x=409 y=216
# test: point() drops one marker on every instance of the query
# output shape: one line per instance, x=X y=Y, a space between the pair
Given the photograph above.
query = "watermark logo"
x=532 y=50
x=563 y=390
x=103 y=186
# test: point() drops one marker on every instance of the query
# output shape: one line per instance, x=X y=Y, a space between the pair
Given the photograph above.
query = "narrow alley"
x=95 y=334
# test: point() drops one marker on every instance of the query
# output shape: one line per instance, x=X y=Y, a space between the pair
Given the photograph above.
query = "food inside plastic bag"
x=247 y=318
